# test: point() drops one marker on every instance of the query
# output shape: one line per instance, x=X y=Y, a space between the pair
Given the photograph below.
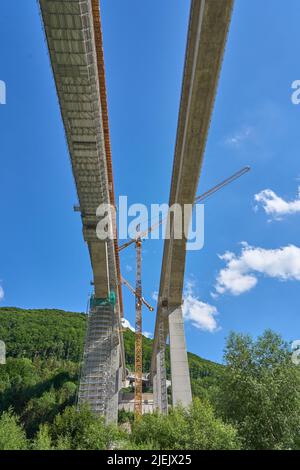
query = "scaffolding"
x=74 y=39
x=161 y=374
x=100 y=375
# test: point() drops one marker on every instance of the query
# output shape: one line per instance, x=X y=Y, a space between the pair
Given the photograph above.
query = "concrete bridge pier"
x=114 y=386
x=172 y=325
x=180 y=376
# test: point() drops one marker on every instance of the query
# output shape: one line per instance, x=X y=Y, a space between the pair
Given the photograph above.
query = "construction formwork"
x=101 y=375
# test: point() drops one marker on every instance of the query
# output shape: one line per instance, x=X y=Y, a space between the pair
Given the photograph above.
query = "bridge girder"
x=73 y=36
x=207 y=35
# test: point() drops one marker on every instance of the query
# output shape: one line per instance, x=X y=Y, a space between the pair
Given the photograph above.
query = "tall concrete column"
x=112 y=404
x=180 y=376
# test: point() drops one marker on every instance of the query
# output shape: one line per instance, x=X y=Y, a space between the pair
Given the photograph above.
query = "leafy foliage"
x=81 y=430
x=59 y=335
x=43 y=439
x=37 y=390
x=42 y=333
x=12 y=435
x=253 y=402
x=194 y=429
x=260 y=393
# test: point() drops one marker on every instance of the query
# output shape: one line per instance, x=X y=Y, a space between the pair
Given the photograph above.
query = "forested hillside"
x=59 y=335
x=251 y=403
x=42 y=333
x=44 y=352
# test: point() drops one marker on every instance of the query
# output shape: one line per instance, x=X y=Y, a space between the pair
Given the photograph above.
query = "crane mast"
x=133 y=291
x=138 y=391
x=139 y=299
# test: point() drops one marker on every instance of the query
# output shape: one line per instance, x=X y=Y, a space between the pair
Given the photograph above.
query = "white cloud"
x=275 y=206
x=155 y=296
x=241 y=272
x=127 y=324
x=128 y=268
x=200 y=314
x=147 y=334
x=239 y=137
x=1 y=293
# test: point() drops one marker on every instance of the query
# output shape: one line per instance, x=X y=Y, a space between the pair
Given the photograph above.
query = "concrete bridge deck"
x=207 y=34
x=74 y=39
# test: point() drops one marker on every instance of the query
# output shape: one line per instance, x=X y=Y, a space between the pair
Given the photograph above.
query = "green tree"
x=82 y=430
x=12 y=435
x=206 y=431
x=261 y=391
x=194 y=429
x=42 y=333
x=43 y=439
x=40 y=410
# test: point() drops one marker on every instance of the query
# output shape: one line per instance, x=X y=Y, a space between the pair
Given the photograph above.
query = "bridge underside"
x=73 y=36
x=74 y=40
x=208 y=29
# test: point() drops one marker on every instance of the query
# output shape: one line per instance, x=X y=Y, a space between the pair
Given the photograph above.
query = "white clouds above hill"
x=127 y=324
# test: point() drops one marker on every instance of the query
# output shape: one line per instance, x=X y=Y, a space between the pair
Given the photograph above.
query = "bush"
x=43 y=439
x=82 y=430
x=12 y=435
x=260 y=394
x=194 y=429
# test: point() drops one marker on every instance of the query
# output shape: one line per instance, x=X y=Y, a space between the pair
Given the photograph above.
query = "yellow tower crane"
x=139 y=299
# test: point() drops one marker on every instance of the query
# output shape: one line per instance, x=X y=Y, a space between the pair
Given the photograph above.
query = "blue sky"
x=43 y=260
